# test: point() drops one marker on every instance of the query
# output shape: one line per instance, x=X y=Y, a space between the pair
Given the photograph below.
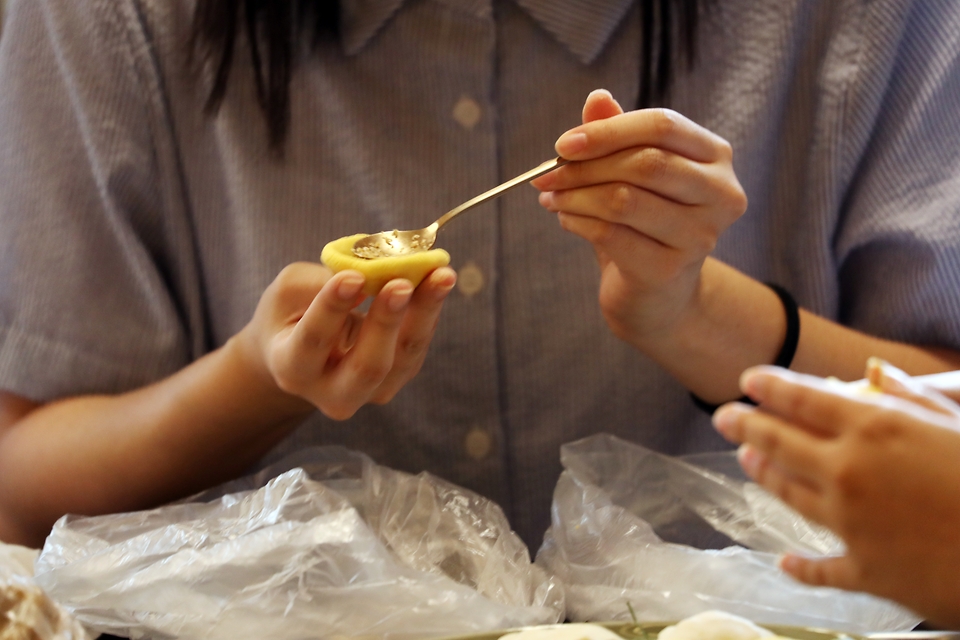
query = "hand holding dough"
x=338 y=256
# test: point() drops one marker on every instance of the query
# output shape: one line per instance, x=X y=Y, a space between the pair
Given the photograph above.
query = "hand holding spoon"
x=399 y=243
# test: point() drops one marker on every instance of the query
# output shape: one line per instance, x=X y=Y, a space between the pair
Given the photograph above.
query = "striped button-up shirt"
x=137 y=233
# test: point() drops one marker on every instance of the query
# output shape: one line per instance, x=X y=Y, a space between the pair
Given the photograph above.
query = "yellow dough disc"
x=338 y=256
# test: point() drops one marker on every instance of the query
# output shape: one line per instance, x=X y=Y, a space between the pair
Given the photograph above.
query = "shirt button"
x=467 y=112
x=479 y=443
x=469 y=279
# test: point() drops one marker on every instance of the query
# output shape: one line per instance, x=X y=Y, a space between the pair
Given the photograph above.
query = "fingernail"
x=723 y=418
x=790 y=563
x=350 y=286
x=749 y=459
x=441 y=282
x=570 y=143
x=544 y=182
x=874 y=373
x=446 y=283
x=546 y=199
x=399 y=297
x=753 y=383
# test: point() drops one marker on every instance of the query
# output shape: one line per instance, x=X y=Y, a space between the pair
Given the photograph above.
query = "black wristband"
x=787 y=350
x=792 y=338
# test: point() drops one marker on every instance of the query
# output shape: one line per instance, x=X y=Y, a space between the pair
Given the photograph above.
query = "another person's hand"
x=937 y=391
x=880 y=470
x=652 y=191
x=311 y=342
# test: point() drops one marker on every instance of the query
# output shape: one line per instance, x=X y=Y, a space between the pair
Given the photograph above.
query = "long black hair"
x=273 y=29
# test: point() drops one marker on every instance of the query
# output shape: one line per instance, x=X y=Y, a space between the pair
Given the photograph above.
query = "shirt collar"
x=583 y=27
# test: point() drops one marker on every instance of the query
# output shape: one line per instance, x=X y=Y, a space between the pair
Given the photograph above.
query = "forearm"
x=737 y=322
x=100 y=454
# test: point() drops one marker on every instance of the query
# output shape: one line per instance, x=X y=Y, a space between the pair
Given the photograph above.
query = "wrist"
x=727 y=323
x=788 y=348
x=681 y=322
x=243 y=358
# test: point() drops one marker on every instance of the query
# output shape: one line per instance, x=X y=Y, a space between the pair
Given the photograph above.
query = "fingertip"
x=441 y=282
x=883 y=375
x=748 y=381
x=599 y=105
x=546 y=200
x=831 y=571
x=727 y=417
x=792 y=564
x=571 y=143
x=566 y=221
x=348 y=284
x=397 y=294
x=755 y=381
x=443 y=277
x=540 y=184
x=751 y=460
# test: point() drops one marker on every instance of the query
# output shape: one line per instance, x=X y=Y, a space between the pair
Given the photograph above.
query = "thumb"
x=838 y=572
x=600 y=105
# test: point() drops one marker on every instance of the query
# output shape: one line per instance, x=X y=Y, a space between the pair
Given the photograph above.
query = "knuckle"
x=599 y=232
x=736 y=201
x=664 y=122
x=622 y=202
x=412 y=347
x=849 y=480
x=290 y=276
x=384 y=396
x=287 y=383
x=879 y=428
x=796 y=402
x=771 y=481
x=703 y=242
x=766 y=440
x=385 y=319
x=338 y=411
x=816 y=574
x=573 y=172
x=724 y=149
x=313 y=339
x=652 y=162
x=369 y=374
x=669 y=266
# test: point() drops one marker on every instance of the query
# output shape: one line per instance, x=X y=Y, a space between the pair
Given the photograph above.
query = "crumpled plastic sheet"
x=26 y=612
x=630 y=525
x=336 y=547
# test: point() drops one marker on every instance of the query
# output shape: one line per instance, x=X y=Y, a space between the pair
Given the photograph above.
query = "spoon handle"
x=536 y=172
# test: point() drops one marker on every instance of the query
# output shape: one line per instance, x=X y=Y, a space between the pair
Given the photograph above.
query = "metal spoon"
x=401 y=243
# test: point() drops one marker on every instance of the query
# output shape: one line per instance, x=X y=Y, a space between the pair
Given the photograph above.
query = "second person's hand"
x=880 y=471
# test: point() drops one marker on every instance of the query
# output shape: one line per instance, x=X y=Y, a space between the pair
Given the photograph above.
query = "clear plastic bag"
x=26 y=612
x=633 y=526
x=337 y=547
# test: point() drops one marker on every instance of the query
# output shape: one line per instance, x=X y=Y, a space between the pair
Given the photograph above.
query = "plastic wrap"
x=26 y=612
x=337 y=547
x=633 y=526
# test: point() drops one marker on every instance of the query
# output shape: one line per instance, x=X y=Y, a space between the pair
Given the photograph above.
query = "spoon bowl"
x=400 y=243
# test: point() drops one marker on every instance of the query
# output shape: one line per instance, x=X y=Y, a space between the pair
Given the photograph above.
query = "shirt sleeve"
x=85 y=297
x=898 y=241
